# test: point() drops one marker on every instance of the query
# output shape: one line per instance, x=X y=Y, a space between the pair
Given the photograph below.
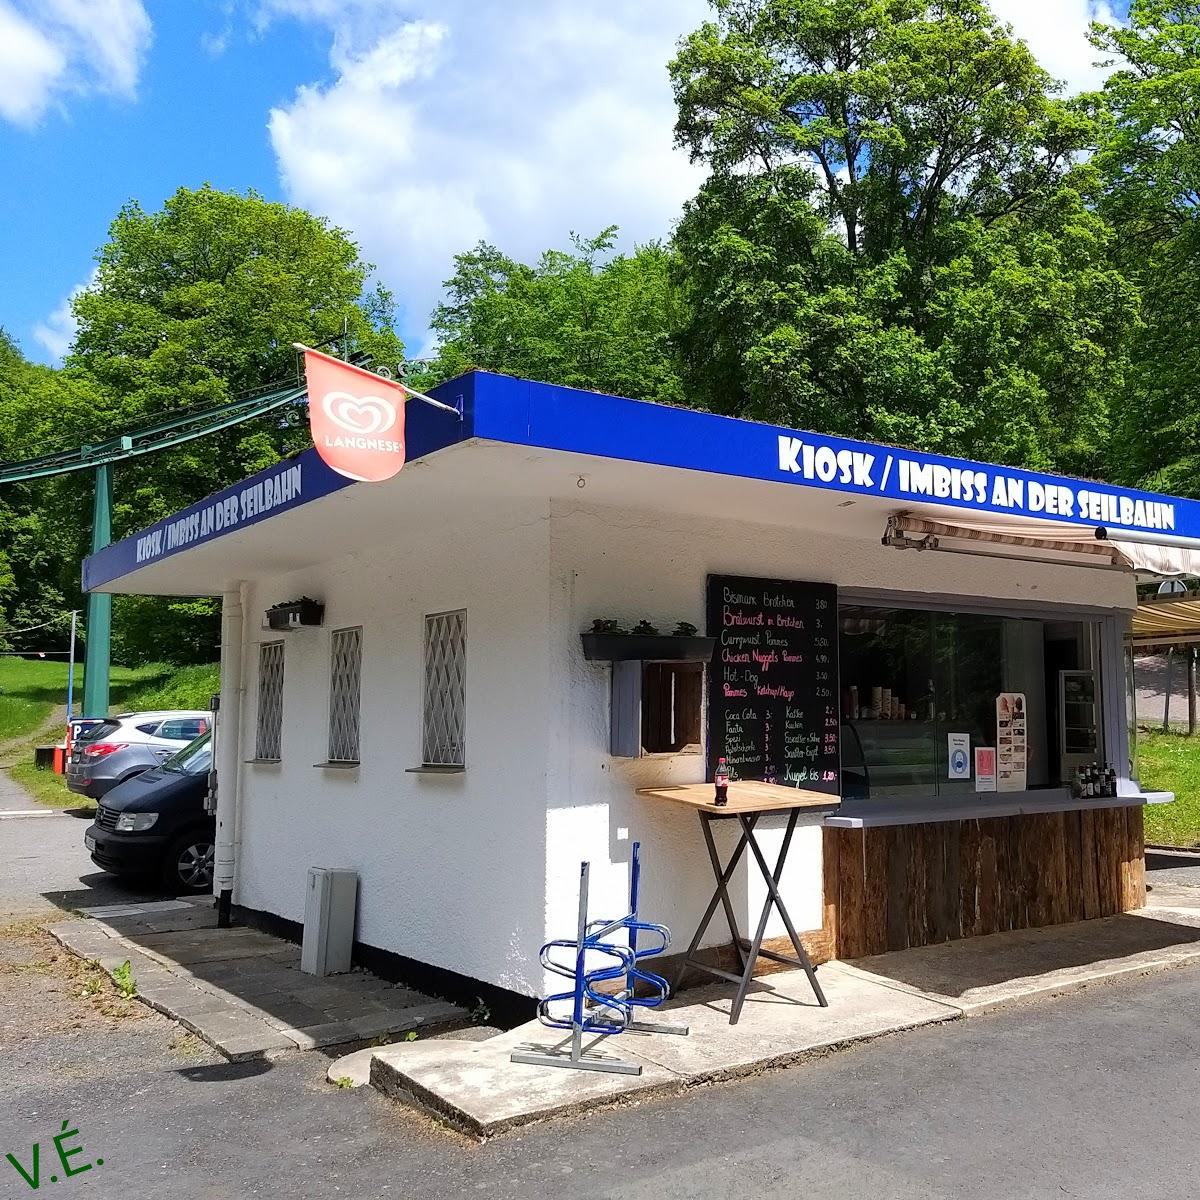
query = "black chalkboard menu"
x=773 y=681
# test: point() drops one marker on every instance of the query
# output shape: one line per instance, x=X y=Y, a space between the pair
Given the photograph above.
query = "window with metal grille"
x=270 y=702
x=345 y=670
x=442 y=743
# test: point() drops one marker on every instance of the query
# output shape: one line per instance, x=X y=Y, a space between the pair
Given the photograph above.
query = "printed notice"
x=958 y=756
x=985 y=768
x=1010 y=742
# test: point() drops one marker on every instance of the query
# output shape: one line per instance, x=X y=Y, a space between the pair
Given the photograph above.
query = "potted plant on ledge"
x=609 y=641
x=291 y=614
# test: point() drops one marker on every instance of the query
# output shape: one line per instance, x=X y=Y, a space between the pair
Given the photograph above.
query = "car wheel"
x=189 y=865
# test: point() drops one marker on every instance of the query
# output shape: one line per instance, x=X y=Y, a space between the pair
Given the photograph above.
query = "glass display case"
x=1078 y=720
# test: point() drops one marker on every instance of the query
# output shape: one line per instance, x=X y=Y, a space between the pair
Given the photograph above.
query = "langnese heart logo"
x=363 y=415
x=356 y=418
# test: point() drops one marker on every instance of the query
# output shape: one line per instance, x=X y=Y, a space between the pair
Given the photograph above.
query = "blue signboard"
x=565 y=419
x=503 y=409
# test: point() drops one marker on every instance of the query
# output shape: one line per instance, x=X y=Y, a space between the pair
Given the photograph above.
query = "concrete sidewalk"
x=240 y=990
x=474 y=1087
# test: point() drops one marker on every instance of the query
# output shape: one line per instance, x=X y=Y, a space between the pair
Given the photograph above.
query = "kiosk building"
x=435 y=722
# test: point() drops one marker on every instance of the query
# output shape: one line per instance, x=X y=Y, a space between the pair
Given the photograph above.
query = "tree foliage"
x=191 y=306
x=586 y=318
x=891 y=244
x=43 y=523
x=1148 y=166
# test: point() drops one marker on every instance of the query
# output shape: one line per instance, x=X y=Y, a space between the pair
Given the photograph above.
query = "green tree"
x=586 y=319
x=194 y=305
x=41 y=532
x=1149 y=171
x=891 y=244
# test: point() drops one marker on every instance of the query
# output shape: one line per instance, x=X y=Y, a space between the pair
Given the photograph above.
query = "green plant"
x=92 y=987
x=480 y=1014
x=123 y=977
x=411 y=1035
x=684 y=629
x=607 y=625
x=343 y=1081
x=644 y=629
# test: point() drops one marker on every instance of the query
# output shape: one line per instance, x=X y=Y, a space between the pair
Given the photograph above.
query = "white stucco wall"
x=472 y=872
x=449 y=866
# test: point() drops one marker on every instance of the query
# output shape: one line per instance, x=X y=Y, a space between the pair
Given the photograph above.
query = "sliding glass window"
x=910 y=678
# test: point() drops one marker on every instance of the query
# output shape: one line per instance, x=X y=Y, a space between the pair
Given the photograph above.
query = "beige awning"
x=1054 y=541
x=1161 y=622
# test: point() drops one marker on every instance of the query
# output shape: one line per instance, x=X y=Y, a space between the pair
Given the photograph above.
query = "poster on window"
x=1010 y=742
x=958 y=755
x=985 y=768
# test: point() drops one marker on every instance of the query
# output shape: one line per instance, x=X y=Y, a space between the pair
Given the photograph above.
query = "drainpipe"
x=228 y=752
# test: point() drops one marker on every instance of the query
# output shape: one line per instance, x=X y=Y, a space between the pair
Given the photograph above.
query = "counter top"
x=745 y=796
x=997 y=804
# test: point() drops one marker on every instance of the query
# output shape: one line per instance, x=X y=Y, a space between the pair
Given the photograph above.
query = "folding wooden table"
x=748 y=802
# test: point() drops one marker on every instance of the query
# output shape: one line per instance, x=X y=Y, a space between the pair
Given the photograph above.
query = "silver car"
x=125 y=745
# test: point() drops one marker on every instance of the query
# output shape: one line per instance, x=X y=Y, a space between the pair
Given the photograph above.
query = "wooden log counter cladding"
x=892 y=887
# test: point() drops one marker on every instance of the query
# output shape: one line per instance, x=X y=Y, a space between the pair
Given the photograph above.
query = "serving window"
x=911 y=678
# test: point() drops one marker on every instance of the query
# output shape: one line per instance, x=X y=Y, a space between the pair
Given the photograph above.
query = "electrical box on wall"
x=329 y=921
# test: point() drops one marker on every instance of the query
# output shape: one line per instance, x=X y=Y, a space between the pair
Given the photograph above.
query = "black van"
x=154 y=825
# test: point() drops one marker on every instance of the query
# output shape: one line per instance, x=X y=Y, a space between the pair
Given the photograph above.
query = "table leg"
x=773 y=896
x=720 y=896
x=725 y=876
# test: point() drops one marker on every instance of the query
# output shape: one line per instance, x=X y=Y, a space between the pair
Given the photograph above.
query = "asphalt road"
x=1094 y=1095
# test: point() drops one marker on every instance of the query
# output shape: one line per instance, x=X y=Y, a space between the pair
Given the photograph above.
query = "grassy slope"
x=1170 y=762
x=32 y=689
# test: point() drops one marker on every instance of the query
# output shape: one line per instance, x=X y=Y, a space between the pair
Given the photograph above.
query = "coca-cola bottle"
x=721 y=781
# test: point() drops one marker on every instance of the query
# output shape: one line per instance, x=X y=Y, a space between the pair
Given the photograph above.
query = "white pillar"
x=229 y=726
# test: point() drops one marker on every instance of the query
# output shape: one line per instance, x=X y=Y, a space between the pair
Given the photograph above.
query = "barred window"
x=442 y=743
x=344 y=676
x=270 y=701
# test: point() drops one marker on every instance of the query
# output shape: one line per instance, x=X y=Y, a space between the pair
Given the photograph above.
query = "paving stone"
x=331 y=1033
x=238 y=1049
x=413 y=1017
x=291 y=1013
x=241 y=990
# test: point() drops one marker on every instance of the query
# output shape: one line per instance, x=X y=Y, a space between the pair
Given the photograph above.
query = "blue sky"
x=419 y=125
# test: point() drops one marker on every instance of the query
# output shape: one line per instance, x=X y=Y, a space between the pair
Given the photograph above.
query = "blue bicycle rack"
x=596 y=1012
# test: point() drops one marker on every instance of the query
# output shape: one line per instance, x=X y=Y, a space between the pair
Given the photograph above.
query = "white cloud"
x=1056 y=32
x=57 y=331
x=50 y=49
x=451 y=120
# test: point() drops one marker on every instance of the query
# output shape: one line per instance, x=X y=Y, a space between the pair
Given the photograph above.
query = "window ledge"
x=1002 y=804
x=430 y=769
x=338 y=766
x=262 y=762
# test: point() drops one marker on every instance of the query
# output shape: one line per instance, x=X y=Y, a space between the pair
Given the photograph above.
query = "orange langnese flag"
x=356 y=418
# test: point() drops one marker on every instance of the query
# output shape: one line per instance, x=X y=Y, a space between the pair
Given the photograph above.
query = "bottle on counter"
x=721 y=783
x=854 y=702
